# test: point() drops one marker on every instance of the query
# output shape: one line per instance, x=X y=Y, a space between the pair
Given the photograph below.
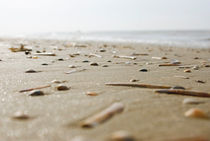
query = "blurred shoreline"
x=185 y=38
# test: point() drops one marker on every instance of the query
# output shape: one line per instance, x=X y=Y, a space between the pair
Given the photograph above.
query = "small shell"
x=92 y=93
x=207 y=66
x=105 y=66
x=191 y=101
x=45 y=64
x=72 y=66
x=30 y=71
x=195 y=67
x=62 y=87
x=85 y=61
x=56 y=81
x=94 y=64
x=200 y=81
x=143 y=70
x=36 y=93
x=122 y=136
x=20 y=116
x=60 y=59
x=34 y=57
x=187 y=71
x=134 y=80
x=196 y=113
x=102 y=50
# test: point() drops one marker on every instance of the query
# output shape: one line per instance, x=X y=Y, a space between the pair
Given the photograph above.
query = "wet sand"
x=148 y=116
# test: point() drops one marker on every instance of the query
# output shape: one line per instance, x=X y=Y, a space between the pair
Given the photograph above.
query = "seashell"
x=74 y=71
x=143 y=70
x=183 y=77
x=196 y=58
x=31 y=89
x=34 y=57
x=44 y=64
x=191 y=101
x=56 y=81
x=94 y=55
x=103 y=115
x=195 y=138
x=157 y=58
x=195 y=67
x=80 y=45
x=45 y=54
x=102 y=50
x=105 y=66
x=207 y=66
x=72 y=66
x=176 y=62
x=31 y=71
x=27 y=52
x=178 y=87
x=139 y=85
x=60 y=59
x=36 y=93
x=122 y=136
x=139 y=54
x=200 y=81
x=134 y=80
x=168 y=64
x=62 y=87
x=187 y=71
x=19 y=115
x=92 y=93
x=125 y=57
x=94 y=64
x=196 y=113
x=85 y=61
x=183 y=92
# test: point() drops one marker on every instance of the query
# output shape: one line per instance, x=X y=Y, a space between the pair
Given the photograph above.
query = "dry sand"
x=148 y=116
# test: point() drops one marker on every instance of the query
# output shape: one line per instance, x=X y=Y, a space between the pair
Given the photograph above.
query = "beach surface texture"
x=57 y=90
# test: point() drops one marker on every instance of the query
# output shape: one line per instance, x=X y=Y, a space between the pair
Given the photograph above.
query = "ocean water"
x=195 y=39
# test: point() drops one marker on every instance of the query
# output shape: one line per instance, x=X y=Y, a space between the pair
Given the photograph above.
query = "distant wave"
x=198 y=39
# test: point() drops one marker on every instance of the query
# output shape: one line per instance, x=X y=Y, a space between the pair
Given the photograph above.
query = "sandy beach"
x=85 y=68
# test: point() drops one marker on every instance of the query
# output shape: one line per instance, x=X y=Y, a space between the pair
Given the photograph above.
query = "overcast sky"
x=18 y=16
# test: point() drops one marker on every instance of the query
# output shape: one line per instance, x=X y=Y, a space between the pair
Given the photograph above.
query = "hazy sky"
x=88 y=15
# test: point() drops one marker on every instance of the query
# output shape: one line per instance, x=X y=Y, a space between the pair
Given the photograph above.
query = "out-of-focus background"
x=185 y=22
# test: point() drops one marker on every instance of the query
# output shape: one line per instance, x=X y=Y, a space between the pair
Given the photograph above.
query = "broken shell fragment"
x=62 y=87
x=196 y=113
x=187 y=71
x=92 y=93
x=103 y=115
x=19 y=115
x=122 y=136
x=36 y=93
x=45 y=54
